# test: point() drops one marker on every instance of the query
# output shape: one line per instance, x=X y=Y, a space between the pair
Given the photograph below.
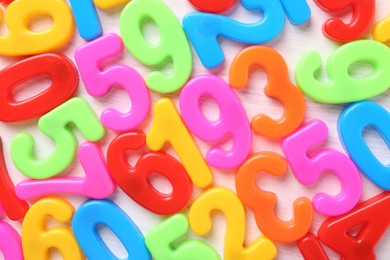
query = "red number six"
x=135 y=181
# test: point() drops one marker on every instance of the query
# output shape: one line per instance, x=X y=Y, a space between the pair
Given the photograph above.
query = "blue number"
x=96 y=212
x=352 y=122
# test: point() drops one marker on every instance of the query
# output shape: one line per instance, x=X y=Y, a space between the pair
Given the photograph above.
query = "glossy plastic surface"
x=136 y=180
x=224 y=200
x=98 y=82
x=308 y=169
x=341 y=86
x=64 y=82
x=263 y=203
x=352 y=121
x=232 y=122
x=159 y=239
x=105 y=212
x=278 y=86
x=96 y=184
x=55 y=125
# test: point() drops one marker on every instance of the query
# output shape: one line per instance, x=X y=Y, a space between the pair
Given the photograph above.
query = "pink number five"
x=308 y=169
x=97 y=82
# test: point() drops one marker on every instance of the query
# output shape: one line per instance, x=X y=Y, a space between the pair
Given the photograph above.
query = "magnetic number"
x=362 y=16
x=63 y=75
x=87 y=17
x=104 y=212
x=10 y=242
x=167 y=126
x=160 y=237
x=214 y=6
x=297 y=11
x=37 y=240
x=10 y=203
x=342 y=87
x=380 y=32
x=352 y=121
x=278 y=86
x=204 y=29
x=263 y=203
x=308 y=170
x=135 y=181
x=17 y=16
x=98 y=82
x=55 y=125
x=173 y=46
x=311 y=248
x=224 y=200
x=232 y=121
x=374 y=214
x=97 y=182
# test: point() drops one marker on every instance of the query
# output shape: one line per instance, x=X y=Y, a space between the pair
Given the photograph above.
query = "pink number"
x=97 y=184
x=308 y=169
x=10 y=242
x=97 y=82
x=232 y=123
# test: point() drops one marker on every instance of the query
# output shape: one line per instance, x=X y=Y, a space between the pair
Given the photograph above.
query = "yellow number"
x=226 y=201
x=169 y=127
x=21 y=40
x=37 y=239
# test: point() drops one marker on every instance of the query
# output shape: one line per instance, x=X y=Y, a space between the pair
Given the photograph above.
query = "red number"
x=374 y=214
x=362 y=17
x=214 y=6
x=135 y=180
x=64 y=78
x=13 y=207
x=311 y=248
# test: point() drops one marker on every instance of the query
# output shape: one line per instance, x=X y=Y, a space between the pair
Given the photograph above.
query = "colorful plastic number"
x=263 y=203
x=278 y=87
x=6 y=2
x=10 y=242
x=135 y=181
x=10 y=203
x=97 y=212
x=173 y=45
x=363 y=12
x=87 y=17
x=297 y=11
x=311 y=248
x=224 y=200
x=308 y=170
x=160 y=237
x=17 y=15
x=37 y=240
x=63 y=75
x=55 y=125
x=97 y=182
x=232 y=122
x=204 y=29
x=342 y=87
x=98 y=82
x=374 y=214
x=352 y=121
x=381 y=31
x=212 y=6
x=168 y=127
x=108 y=4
